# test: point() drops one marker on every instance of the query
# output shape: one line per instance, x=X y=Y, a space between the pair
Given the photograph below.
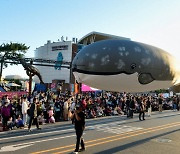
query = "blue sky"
x=33 y=22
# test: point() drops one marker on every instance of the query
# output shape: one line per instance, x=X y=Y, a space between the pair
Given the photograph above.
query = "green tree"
x=11 y=51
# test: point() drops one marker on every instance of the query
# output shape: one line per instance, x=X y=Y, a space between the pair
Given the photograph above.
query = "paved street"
x=157 y=134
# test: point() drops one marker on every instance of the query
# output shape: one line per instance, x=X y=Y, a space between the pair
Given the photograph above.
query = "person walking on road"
x=33 y=114
x=79 y=121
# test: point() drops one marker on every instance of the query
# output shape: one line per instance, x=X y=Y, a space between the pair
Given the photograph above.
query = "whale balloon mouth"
x=99 y=73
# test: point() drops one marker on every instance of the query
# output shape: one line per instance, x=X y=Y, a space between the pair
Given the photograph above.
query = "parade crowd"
x=48 y=107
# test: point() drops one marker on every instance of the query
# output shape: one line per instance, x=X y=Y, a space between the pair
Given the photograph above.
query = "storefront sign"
x=60 y=47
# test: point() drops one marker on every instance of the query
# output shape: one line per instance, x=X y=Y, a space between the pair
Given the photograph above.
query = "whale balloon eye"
x=133 y=66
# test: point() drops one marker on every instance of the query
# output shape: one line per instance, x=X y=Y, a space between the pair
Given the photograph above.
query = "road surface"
x=158 y=134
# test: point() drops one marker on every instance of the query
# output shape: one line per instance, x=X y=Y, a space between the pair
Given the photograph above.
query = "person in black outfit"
x=131 y=107
x=79 y=121
x=160 y=103
x=178 y=103
x=127 y=106
x=142 y=110
x=57 y=108
x=33 y=115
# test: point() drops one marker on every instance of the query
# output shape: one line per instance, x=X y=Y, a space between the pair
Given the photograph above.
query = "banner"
x=13 y=94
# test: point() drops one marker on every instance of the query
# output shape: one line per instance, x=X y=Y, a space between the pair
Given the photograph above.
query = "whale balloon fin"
x=145 y=78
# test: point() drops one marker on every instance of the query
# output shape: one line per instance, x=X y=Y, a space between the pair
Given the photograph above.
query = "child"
x=19 y=122
x=10 y=124
x=51 y=115
x=41 y=119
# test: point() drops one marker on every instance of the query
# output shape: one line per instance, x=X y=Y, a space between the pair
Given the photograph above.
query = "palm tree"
x=11 y=51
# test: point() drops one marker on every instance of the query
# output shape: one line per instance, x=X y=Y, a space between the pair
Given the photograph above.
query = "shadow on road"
x=133 y=144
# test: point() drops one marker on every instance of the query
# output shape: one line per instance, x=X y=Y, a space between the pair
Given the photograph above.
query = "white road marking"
x=103 y=125
x=2 y=132
x=23 y=145
x=13 y=148
x=58 y=131
x=115 y=127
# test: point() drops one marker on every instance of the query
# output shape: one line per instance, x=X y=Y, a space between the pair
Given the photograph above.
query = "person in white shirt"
x=24 y=110
x=66 y=107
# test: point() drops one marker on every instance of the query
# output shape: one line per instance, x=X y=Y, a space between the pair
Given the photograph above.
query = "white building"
x=50 y=51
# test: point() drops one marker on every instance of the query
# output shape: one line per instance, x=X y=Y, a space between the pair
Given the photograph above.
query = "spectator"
x=33 y=115
x=24 y=110
x=148 y=104
x=51 y=115
x=19 y=122
x=178 y=104
x=174 y=104
x=19 y=107
x=127 y=106
x=66 y=109
x=10 y=124
x=142 y=109
x=131 y=107
x=5 y=112
x=57 y=108
x=160 y=103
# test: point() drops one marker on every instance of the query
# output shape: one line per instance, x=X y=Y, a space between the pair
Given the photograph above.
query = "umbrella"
x=13 y=85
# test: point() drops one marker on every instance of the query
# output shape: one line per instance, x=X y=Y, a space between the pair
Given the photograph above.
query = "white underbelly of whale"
x=120 y=82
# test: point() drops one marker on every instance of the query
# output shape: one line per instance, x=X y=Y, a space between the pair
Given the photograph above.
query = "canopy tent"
x=12 y=85
x=85 y=88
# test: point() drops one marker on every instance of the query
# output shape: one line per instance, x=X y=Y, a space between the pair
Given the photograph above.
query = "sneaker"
x=75 y=152
x=38 y=128
x=82 y=149
x=29 y=130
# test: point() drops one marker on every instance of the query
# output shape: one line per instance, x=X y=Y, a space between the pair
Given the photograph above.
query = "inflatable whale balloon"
x=124 y=65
